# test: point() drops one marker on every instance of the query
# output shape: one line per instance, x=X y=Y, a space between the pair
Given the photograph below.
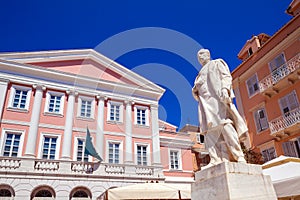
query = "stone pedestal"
x=229 y=180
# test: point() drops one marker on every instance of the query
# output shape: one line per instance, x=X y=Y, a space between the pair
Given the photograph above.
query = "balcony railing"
x=59 y=167
x=287 y=120
x=281 y=72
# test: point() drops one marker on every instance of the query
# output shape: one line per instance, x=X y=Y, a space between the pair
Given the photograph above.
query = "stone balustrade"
x=114 y=169
x=9 y=163
x=144 y=170
x=82 y=167
x=287 y=120
x=281 y=72
x=46 y=165
x=64 y=167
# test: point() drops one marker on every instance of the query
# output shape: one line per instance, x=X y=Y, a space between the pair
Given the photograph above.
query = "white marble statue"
x=219 y=119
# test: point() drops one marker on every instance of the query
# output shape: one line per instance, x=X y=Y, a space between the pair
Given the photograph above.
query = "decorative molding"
x=101 y=97
x=39 y=87
x=7 y=121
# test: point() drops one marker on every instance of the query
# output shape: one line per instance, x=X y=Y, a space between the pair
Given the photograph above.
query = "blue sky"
x=157 y=39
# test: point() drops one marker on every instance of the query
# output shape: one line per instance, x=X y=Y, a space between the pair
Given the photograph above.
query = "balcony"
x=286 y=124
x=39 y=167
x=288 y=73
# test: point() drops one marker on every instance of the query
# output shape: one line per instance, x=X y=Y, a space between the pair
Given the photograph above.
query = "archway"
x=43 y=193
x=80 y=193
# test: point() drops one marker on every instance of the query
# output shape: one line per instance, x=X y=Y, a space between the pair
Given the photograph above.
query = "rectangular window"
x=291 y=148
x=114 y=112
x=86 y=108
x=269 y=154
x=141 y=116
x=200 y=138
x=278 y=68
x=81 y=155
x=54 y=104
x=261 y=120
x=289 y=103
x=11 y=145
x=49 y=147
x=19 y=97
x=174 y=160
x=277 y=62
x=250 y=51
x=141 y=155
x=252 y=85
x=113 y=152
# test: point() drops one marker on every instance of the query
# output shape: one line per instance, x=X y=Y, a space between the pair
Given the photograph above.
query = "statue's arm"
x=226 y=80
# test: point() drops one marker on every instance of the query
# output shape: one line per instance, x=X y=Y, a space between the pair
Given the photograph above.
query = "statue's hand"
x=195 y=93
x=225 y=98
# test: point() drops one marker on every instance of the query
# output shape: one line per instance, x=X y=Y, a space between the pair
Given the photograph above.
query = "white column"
x=155 y=135
x=67 y=141
x=100 y=126
x=34 y=122
x=128 y=133
x=3 y=90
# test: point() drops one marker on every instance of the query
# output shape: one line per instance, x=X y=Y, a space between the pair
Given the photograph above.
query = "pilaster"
x=3 y=91
x=100 y=125
x=128 y=133
x=155 y=135
x=67 y=141
x=30 y=150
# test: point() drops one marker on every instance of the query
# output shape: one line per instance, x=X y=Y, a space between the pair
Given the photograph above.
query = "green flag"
x=89 y=147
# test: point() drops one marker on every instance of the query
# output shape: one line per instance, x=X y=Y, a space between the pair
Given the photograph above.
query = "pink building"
x=47 y=100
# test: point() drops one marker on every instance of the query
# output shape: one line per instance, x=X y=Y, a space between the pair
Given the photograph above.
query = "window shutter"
x=289 y=149
x=280 y=60
x=263 y=120
x=292 y=101
x=284 y=105
x=256 y=118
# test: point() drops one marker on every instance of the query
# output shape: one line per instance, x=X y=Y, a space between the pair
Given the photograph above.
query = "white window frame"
x=289 y=106
x=120 y=142
x=3 y=139
x=179 y=158
x=256 y=113
x=93 y=102
x=47 y=104
x=13 y=93
x=76 y=148
x=41 y=144
x=147 y=154
x=146 y=115
x=121 y=110
x=254 y=76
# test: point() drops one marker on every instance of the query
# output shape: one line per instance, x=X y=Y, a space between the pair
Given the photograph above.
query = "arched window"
x=81 y=193
x=6 y=192
x=43 y=193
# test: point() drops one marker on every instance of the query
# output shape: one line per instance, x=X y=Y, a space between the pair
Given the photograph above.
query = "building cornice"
x=28 y=74
x=81 y=54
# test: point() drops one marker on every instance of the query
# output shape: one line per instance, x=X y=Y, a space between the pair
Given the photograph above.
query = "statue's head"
x=203 y=56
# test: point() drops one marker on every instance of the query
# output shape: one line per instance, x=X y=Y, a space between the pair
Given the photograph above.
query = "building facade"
x=47 y=101
x=267 y=88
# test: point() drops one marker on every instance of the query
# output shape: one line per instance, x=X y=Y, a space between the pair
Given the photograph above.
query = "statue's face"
x=203 y=57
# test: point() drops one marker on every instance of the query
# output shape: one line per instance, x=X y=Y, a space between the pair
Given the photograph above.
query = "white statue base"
x=230 y=180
